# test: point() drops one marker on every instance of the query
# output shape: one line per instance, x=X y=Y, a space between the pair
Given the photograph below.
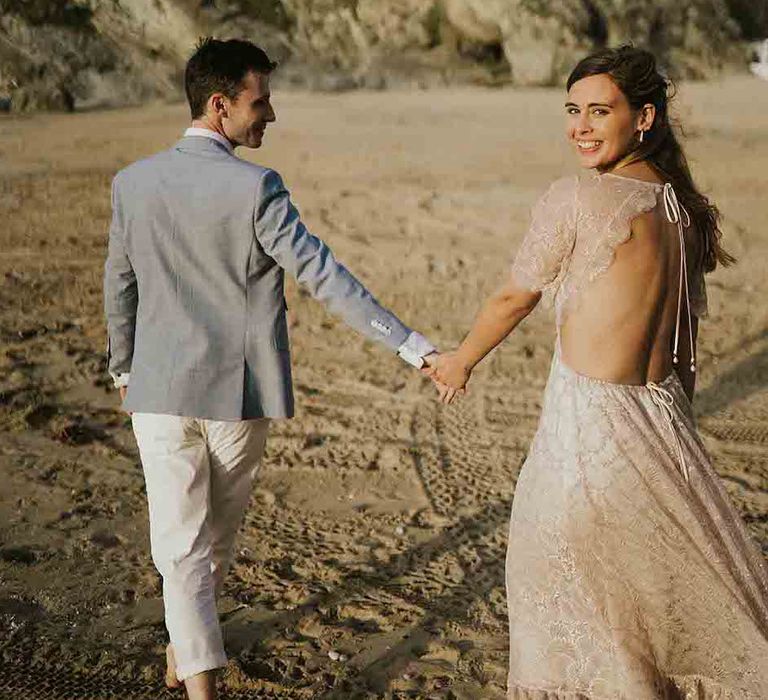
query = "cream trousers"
x=199 y=475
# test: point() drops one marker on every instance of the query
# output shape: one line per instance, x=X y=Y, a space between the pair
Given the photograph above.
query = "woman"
x=629 y=574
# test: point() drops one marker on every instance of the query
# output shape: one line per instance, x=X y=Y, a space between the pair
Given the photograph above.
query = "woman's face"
x=600 y=123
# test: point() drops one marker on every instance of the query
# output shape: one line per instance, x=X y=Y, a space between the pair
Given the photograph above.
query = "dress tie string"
x=661 y=397
x=677 y=214
x=666 y=404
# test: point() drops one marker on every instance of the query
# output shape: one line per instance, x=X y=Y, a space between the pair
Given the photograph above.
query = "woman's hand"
x=450 y=375
x=498 y=316
x=451 y=370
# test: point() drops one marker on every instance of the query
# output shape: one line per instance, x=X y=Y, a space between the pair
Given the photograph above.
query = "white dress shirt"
x=413 y=351
x=207 y=133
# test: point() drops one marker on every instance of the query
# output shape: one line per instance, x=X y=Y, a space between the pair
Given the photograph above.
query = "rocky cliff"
x=67 y=54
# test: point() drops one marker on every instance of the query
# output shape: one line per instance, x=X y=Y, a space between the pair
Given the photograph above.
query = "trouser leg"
x=176 y=467
x=235 y=450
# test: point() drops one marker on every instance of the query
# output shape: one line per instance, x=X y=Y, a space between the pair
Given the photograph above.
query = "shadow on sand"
x=741 y=381
x=483 y=531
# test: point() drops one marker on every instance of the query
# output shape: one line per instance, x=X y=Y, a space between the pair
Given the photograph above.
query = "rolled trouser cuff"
x=195 y=666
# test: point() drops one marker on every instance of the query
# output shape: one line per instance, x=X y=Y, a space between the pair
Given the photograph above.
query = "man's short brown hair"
x=221 y=66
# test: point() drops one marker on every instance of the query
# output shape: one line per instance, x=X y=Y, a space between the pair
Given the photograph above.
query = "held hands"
x=449 y=373
x=123 y=391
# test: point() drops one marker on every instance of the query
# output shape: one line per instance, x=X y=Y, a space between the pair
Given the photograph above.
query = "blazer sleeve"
x=282 y=235
x=121 y=295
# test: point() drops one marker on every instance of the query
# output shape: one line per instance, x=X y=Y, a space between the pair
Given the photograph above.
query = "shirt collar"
x=207 y=133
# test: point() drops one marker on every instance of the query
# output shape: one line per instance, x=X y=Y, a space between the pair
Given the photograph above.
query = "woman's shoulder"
x=608 y=186
x=594 y=195
x=618 y=194
x=619 y=181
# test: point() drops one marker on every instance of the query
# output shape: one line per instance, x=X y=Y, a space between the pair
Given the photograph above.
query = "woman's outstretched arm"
x=537 y=265
x=498 y=316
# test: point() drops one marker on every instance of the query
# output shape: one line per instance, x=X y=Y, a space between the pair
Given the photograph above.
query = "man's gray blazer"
x=193 y=285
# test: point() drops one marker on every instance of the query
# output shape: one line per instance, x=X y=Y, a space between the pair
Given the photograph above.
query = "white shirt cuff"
x=415 y=348
x=120 y=379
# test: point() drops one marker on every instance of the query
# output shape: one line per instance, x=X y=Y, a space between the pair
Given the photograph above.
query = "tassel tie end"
x=677 y=214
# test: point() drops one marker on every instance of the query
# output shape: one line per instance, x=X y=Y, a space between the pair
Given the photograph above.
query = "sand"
x=370 y=564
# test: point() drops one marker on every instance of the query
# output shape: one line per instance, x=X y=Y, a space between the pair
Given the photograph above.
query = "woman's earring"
x=642 y=134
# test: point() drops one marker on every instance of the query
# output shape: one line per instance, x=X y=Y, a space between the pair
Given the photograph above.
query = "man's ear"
x=217 y=104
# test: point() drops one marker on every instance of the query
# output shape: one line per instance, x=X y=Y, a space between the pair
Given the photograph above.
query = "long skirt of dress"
x=625 y=577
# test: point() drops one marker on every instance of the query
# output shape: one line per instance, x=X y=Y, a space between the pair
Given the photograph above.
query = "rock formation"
x=67 y=54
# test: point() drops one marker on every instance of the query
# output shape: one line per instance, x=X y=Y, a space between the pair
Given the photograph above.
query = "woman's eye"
x=572 y=110
x=599 y=112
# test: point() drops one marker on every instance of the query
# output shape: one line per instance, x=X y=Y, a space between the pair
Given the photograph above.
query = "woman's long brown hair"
x=634 y=72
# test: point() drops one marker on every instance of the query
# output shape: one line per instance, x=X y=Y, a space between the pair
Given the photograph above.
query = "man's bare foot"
x=171 y=680
x=201 y=686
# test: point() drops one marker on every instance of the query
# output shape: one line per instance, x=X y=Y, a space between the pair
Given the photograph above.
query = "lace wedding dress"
x=629 y=573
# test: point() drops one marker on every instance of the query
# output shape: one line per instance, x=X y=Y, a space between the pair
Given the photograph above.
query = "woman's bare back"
x=617 y=278
x=623 y=328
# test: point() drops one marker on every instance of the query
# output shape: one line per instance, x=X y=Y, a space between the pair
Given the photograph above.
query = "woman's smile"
x=588 y=146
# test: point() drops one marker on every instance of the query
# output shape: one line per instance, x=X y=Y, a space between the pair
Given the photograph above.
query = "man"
x=198 y=341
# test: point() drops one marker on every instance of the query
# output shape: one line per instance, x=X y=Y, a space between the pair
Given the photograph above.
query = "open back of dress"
x=622 y=299
x=629 y=573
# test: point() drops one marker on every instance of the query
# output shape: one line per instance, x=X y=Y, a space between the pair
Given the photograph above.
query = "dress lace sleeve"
x=609 y=205
x=606 y=208
x=546 y=247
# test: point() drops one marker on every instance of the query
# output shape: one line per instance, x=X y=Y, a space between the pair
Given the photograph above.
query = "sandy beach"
x=371 y=561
